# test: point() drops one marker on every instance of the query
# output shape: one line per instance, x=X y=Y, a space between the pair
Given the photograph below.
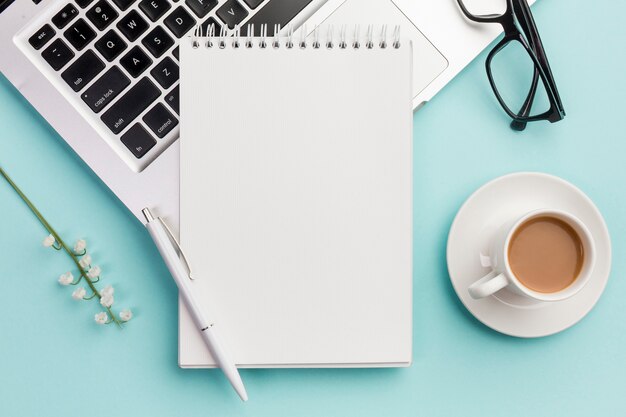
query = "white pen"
x=165 y=243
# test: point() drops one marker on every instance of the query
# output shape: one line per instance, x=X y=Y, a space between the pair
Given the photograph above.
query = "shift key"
x=130 y=105
x=105 y=89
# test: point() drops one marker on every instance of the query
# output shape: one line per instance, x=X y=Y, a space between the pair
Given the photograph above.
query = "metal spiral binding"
x=383 y=37
x=329 y=37
x=357 y=33
x=222 y=38
x=234 y=38
x=210 y=35
x=303 y=33
x=342 y=37
x=396 y=37
x=250 y=35
x=276 y=42
x=289 y=43
x=262 y=43
x=316 y=37
x=369 y=44
x=197 y=33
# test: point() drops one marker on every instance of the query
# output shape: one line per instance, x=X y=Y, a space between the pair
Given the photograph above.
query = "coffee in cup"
x=546 y=255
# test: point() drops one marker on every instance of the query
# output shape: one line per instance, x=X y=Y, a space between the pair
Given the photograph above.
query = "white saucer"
x=480 y=216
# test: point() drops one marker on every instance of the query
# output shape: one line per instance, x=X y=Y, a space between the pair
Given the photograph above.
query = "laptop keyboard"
x=116 y=61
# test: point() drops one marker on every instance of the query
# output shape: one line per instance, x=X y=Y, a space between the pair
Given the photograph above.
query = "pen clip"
x=178 y=247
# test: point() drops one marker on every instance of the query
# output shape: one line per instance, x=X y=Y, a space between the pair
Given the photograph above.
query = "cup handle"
x=488 y=285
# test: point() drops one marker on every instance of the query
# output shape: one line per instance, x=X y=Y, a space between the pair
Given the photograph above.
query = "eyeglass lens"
x=513 y=73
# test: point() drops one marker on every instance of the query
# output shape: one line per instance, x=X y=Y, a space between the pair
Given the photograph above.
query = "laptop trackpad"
x=428 y=62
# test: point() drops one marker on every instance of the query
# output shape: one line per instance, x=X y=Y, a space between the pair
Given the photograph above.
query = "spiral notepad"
x=296 y=204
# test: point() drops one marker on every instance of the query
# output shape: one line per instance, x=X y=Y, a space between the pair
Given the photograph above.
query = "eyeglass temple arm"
x=527 y=23
x=487 y=18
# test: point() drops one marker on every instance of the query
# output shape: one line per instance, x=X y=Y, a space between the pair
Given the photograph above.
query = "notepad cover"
x=296 y=204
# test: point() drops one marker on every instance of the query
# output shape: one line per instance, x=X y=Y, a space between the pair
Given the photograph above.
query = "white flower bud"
x=126 y=315
x=106 y=300
x=101 y=318
x=66 y=279
x=80 y=246
x=94 y=272
x=85 y=261
x=108 y=290
x=79 y=293
x=49 y=241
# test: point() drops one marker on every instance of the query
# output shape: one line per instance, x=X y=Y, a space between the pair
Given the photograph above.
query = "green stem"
x=90 y=297
x=53 y=232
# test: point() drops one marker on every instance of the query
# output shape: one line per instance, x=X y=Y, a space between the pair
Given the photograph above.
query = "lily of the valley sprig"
x=90 y=274
x=86 y=273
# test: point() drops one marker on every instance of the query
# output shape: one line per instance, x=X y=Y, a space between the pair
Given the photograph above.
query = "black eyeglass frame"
x=518 y=10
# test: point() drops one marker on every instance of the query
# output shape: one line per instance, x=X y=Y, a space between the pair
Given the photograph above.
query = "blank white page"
x=295 y=204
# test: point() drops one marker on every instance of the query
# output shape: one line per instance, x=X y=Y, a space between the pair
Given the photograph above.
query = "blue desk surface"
x=55 y=361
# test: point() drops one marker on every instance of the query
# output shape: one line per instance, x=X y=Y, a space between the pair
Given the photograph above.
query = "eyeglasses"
x=516 y=65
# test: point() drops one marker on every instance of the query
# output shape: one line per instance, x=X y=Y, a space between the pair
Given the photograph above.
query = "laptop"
x=104 y=73
x=99 y=69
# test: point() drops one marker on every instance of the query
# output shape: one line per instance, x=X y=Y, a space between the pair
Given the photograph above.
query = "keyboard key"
x=83 y=3
x=173 y=99
x=132 y=25
x=110 y=45
x=123 y=4
x=232 y=13
x=79 y=34
x=160 y=121
x=41 y=37
x=105 y=89
x=102 y=14
x=57 y=54
x=157 y=41
x=279 y=12
x=175 y=52
x=253 y=4
x=138 y=140
x=135 y=61
x=64 y=16
x=201 y=7
x=207 y=24
x=130 y=105
x=179 y=22
x=154 y=8
x=165 y=72
x=83 y=70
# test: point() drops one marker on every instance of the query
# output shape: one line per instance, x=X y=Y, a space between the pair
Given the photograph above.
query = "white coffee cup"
x=502 y=276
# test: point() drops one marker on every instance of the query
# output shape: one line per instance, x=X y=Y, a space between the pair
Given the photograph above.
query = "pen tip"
x=240 y=389
x=243 y=395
